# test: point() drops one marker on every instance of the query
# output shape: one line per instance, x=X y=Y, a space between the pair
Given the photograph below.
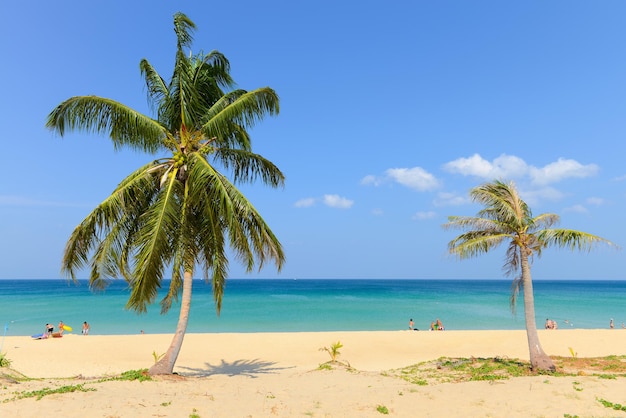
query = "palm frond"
x=247 y=109
x=516 y=285
x=125 y=126
x=569 y=238
x=157 y=87
x=247 y=167
x=474 y=243
x=183 y=27
x=160 y=223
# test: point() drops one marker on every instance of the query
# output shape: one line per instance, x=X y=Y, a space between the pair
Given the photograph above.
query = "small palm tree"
x=506 y=218
x=178 y=212
x=333 y=351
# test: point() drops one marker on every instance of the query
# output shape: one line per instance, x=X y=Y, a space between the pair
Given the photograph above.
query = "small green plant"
x=333 y=351
x=4 y=361
x=156 y=356
x=166 y=403
x=574 y=354
x=140 y=374
x=47 y=391
x=615 y=406
x=194 y=414
x=382 y=409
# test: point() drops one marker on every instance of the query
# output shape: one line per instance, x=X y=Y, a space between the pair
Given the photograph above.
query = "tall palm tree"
x=506 y=218
x=178 y=212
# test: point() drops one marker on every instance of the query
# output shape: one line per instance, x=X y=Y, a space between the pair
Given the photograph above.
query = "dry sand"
x=278 y=375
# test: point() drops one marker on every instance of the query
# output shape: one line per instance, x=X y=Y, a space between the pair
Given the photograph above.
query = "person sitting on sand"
x=432 y=326
x=550 y=324
x=49 y=329
x=439 y=325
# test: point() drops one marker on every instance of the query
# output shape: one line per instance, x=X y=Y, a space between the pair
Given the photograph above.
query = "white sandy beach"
x=278 y=375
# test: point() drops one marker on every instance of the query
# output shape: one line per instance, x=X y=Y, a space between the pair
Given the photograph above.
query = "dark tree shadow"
x=251 y=368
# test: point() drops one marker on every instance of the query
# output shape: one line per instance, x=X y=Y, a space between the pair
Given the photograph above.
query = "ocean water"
x=259 y=305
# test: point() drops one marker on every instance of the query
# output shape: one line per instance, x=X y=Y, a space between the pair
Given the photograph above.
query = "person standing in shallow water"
x=85 y=328
x=411 y=324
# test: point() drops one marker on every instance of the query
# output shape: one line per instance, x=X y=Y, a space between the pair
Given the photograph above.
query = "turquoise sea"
x=259 y=305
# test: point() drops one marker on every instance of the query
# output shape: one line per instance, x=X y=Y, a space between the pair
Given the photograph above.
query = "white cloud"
x=305 y=203
x=561 y=169
x=336 y=201
x=370 y=179
x=505 y=166
x=420 y=216
x=415 y=178
x=512 y=167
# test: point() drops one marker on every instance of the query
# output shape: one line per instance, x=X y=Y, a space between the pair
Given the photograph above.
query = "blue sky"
x=390 y=114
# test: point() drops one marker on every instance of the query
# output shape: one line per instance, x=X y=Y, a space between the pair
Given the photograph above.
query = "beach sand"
x=278 y=375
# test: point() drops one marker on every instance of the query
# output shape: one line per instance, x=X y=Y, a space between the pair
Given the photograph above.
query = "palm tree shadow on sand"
x=251 y=368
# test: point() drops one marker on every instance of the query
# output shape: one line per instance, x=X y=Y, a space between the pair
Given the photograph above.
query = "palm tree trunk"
x=166 y=364
x=539 y=360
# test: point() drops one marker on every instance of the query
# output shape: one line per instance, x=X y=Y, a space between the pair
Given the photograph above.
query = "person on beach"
x=611 y=324
x=432 y=326
x=439 y=325
x=61 y=324
x=49 y=329
x=85 y=328
x=411 y=324
x=550 y=324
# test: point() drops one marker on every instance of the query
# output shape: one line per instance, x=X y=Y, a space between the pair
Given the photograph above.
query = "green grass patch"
x=615 y=406
x=47 y=391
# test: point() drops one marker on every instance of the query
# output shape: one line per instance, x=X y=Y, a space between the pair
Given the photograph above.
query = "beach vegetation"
x=181 y=212
x=382 y=409
x=453 y=370
x=615 y=406
x=194 y=413
x=39 y=394
x=507 y=219
x=140 y=374
x=4 y=361
x=333 y=351
x=156 y=356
